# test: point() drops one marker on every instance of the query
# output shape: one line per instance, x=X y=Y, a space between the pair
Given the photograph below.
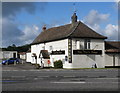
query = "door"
x=14 y=55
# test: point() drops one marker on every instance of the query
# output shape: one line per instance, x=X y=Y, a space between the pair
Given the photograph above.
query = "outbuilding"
x=112 y=54
x=28 y=56
x=8 y=54
x=22 y=55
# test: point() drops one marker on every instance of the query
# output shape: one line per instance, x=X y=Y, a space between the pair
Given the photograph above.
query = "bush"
x=37 y=66
x=58 y=64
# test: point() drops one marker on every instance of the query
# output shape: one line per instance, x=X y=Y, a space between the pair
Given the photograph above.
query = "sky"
x=22 y=22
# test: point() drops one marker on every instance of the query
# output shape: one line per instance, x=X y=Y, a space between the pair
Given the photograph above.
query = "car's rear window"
x=12 y=58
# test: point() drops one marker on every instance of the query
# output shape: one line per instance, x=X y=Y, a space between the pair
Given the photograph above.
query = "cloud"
x=94 y=17
x=111 y=31
x=117 y=1
x=12 y=8
x=36 y=27
x=10 y=33
x=54 y=23
x=29 y=34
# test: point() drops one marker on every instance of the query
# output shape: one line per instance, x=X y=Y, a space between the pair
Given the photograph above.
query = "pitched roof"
x=22 y=53
x=29 y=50
x=76 y=30
x=112 y=46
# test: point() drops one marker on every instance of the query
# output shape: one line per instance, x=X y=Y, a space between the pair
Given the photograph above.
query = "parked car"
x=11 y=61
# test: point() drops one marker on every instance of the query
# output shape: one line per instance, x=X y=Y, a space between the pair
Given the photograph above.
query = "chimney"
x=44 y=28
x=74 y=18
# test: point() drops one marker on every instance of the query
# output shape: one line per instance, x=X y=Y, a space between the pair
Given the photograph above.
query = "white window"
x=87 y=44
x=51 y=48
x=78 y=44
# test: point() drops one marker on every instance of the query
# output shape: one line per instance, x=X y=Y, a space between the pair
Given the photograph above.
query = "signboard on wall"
x=70 y=50
x=61 y=52
x=99 y=52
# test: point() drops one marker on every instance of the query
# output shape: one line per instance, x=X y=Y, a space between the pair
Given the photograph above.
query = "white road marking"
x=82 y=82
x=43 y=76
x=18 y=76
x=103 y=82
x=67 y=82
x=35 y=78
x=106 y=78
x=10 y=70
x=5 y=79
x=70 y=76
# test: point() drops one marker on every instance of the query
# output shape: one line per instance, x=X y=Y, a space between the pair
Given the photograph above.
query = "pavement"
x=24 y=77
x=24 y=66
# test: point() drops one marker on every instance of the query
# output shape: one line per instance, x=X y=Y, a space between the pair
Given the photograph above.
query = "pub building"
x=75 y=44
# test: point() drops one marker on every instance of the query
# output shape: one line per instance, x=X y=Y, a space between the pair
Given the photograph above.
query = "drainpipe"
x=44 y=46
x=37 y=66
x=113 y=60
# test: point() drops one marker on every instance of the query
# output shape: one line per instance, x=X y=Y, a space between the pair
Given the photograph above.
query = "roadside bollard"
x=14 y=62
x=22 y=61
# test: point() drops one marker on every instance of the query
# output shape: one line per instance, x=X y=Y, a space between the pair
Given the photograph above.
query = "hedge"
x=58 y=64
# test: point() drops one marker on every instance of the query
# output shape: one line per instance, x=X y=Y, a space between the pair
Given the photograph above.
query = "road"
x=60 y=80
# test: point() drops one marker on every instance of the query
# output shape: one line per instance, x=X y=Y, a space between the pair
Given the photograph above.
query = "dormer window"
x=87 y=44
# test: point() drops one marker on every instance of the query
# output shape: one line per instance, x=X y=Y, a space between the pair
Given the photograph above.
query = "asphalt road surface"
x=60 y=80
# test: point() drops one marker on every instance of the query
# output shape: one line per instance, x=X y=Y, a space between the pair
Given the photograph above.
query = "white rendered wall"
x=109 y=59
x=99 y=44
x=78 y=61
x=117 y=60
x=86 y=61
x=56 y=45
x=28 y=57
x=36 y=49
x=7 y=54
x=23 y=56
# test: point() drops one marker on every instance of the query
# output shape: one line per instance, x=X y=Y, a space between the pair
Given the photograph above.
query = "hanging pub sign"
x=87 y=52
x=61 y=52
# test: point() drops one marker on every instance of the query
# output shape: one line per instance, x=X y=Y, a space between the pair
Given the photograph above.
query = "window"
x=66 y=58
x=51 y=48
x=87 y=44
x=75 y=44
x=78 y=44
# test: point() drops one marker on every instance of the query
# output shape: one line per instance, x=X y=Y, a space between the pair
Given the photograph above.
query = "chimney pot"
x=44 y=28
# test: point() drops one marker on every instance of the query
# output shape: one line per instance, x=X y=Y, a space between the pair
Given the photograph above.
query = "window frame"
x=87 y=44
